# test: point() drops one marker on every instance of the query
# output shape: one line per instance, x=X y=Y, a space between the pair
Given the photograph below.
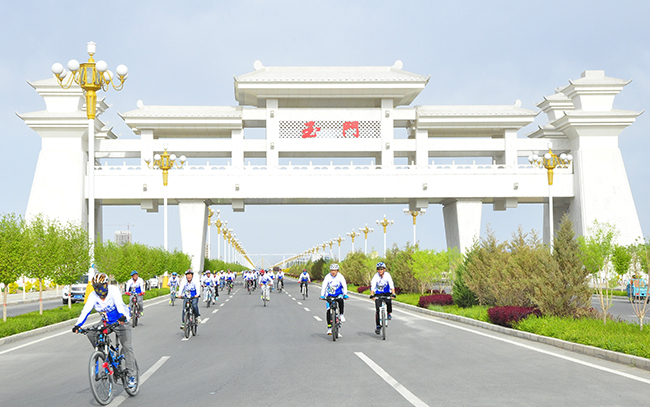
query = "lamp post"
x=331 y=243
x=415 y=214
x=225 y=237
x=165 y=162
x=365 y=230
x=91 y=76
x=324 y=245
x=210 y=213
x=339 y=240
x=219 y=223
x=353 y=234
x=385 y=222
x=550 y=161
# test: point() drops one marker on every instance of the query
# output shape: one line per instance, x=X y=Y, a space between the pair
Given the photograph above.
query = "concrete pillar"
x=421 y=147
x=194 y=221
x=462 y=222
x=237 y=151
x=146 y=147
x=510 y=148
x=272 y=133
x=387 y=133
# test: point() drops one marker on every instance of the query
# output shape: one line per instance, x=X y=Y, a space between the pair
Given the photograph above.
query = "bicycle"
x=280 y=285
x=304 y=289
x=135 y=308
x=208 y=296
x=107 y=365
x=383 y=312
x=249 y=286
x=230 y=287
x=335 y=313
x=265 y=293
x=172 y=294
x=189 y=318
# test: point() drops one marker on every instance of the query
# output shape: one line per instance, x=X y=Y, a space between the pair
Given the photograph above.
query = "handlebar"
x=382 y=296
x=99 y=327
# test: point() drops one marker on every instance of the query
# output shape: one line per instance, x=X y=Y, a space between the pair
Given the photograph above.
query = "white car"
x=78 y=290
x=152 y=282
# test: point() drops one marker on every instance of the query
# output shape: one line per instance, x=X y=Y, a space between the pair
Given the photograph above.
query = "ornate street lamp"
x=225 y=240
x=550 y=161
x=91 y=76
x=165 y=162
x=385 y=222
x=365 y=230
x=219 y=223
x=353 y=234
x=209 y=251
x=339 y=240
x=415 y=214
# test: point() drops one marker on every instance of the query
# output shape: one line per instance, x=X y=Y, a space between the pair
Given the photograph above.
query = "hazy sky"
x=186 y=53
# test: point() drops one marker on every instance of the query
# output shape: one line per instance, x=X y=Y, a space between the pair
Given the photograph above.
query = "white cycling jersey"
x=112 y=306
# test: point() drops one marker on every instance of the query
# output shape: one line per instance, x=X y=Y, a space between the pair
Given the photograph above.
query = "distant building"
x=122 y=237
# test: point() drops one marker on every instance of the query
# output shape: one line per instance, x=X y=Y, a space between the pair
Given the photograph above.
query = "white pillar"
x=91 y=180
x=387 y=130
x=194 y=219
x=272 y=133
x=421 y=148
x=462 y=222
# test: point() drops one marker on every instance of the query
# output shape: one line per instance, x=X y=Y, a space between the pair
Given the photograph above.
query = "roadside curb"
x=608 y=355
x=49 y=328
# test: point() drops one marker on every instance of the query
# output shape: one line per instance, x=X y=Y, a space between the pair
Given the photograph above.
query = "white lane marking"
x=119 y=399
x=203 y=321
x=185 y=339
x=546 y=352
x=410 y=397
x=307 y=309
x=36 y=341
x=156 y=303
x=318 y=319
x=228 y=299
x=299 y=303
x=222 y=304
x=293 y=299
x=215 y=311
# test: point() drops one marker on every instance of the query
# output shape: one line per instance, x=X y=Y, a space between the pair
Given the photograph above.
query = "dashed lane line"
x=317 y=319
x=120 y=399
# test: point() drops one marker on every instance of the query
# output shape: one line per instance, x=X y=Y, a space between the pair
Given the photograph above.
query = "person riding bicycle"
x=207 y=282
x=280 y=277
x=304 y=279
x=174 y=281
x=334 y=285
x=136 y=284
x=382 y=283
x=108 y=301
x=265 y=280
x=230 y=278
x=193 y=287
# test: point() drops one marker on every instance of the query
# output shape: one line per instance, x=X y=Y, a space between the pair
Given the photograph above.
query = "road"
x=280 y=355
x=19 y=309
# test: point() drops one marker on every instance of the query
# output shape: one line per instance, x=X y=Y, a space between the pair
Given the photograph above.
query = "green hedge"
x=33 y=320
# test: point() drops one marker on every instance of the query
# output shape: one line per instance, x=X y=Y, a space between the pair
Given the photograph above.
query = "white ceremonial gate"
x=340 y=114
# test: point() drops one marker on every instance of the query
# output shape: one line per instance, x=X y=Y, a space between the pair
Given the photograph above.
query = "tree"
x=561 y=285
x=597 y=249
x=13 y=252
x=640 y=262
x=621 y=258
x=484 y=271
x=428 y=267
x=397 y=263
x=45 y=238
x=74 y=257
x=463 y=296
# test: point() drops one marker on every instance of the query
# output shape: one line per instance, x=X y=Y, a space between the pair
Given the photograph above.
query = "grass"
x=33 y=320
x=478 y=312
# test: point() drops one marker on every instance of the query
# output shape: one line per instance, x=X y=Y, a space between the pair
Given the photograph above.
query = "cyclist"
x=280 y=277
x=136 y=284
x=265 y=279
x=108 y=300
x=173 y=283
x=230 y=278
x=382 y=283
x=207 y=282
x=305 y=279
x=334 y=285
x=194 y=288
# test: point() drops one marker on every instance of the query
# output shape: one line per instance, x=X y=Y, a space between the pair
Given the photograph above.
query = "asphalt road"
x=19 y=309
x=279 y=355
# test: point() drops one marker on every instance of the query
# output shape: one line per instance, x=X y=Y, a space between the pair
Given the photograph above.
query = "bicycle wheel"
x=136 y=314
x=188 y=323
x=335 y=324
x=209 y=299
x=101 y=379
x=384 y=321
x=125 y=378
x=173 y=297
x=194 y=325
x=303 y=290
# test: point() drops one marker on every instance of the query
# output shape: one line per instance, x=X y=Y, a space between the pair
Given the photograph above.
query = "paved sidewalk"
x=15 y=299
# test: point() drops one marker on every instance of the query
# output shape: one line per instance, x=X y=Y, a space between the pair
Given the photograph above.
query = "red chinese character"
x=310 y=130
x=351 y=126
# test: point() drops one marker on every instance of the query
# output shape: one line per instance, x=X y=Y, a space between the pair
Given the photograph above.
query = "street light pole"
x=211 y=212
x=91 y=76
x=165 y=162
x=353 y=234
x=414 y=214
x=218 y=223
x=550 y=161
x=385 y=222
x=339 y=240
x=366 y=230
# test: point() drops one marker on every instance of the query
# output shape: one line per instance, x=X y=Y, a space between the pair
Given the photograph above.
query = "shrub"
x=397 y=263
x=357 y=268
x=363 y=288
x=463 y=296
x=435 y=299
x=13 y=288
x=507 y=316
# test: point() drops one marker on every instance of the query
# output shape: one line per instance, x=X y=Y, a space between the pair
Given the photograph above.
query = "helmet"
x=100 y=284
x=208 y=272
x=189 y=271
x=334 y=266
x=304 y=270
x=174 y=273
x=134 y=272
x=381 y=265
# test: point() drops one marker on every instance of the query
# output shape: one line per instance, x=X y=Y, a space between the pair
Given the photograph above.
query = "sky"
x=186 y=53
